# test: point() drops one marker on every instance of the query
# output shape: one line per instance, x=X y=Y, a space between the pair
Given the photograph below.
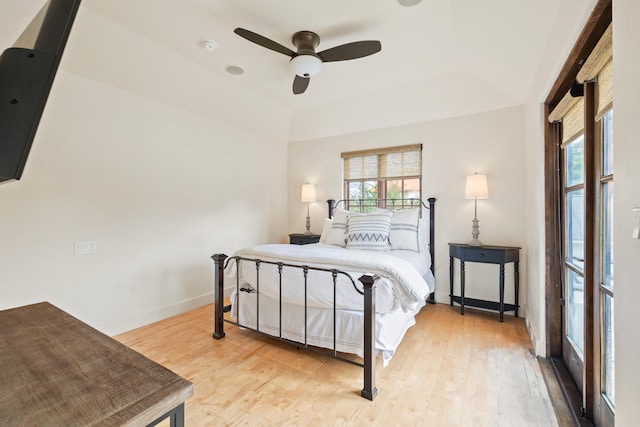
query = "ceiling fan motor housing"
x=306 y=41
x=307 y=62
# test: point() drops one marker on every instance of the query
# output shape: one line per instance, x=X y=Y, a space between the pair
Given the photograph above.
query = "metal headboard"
x=364 y=205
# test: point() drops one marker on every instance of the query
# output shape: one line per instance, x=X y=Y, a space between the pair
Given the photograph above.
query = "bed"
x=356 y=292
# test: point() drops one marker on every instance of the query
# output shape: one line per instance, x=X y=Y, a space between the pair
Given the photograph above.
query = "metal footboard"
x=221 y=261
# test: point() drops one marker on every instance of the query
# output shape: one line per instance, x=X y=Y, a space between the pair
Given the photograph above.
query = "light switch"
x=636 y=223
x=85 y=248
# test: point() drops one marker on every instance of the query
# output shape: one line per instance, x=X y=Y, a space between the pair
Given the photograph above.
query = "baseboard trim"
x=142 y=319
x=537 y=344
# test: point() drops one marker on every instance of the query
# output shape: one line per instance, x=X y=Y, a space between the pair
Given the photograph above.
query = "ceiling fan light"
x=306 y=65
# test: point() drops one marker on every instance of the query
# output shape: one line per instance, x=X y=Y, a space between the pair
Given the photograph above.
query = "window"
x=385 y=177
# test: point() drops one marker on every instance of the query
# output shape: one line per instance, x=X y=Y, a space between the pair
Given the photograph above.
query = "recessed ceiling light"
x=209 y=45
x=235 y=70
x=408 y=3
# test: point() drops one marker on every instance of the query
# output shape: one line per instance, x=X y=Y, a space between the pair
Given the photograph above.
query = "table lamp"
x=475 y=189
x=308 y=195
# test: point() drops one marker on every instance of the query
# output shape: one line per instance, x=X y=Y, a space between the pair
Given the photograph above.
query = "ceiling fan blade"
x=264 y=42
x=300 y=84
x=351 y=51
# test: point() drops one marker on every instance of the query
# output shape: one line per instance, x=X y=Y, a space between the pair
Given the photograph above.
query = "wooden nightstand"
x=490 y=255
x=303 y=239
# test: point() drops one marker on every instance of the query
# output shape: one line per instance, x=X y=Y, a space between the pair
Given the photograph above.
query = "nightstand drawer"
x=303 y=239
x=483 y=255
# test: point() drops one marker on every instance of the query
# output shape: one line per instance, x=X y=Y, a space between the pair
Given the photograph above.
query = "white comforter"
x=398 y=283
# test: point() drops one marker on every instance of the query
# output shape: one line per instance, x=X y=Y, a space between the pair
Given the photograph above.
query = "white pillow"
x=328 y=222
x=404 y=229
x=370 y=231
x=337 y=235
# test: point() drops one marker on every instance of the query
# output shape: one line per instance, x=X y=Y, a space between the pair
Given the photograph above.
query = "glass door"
x=605 y=399
x=575 y=312
x=573 y=257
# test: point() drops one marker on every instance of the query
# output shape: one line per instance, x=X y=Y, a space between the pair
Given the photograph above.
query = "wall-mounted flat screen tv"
x=27 y=71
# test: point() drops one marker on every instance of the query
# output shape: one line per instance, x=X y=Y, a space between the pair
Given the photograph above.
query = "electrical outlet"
x=86 y=248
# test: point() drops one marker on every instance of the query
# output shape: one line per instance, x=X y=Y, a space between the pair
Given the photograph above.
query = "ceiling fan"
x=306 y=62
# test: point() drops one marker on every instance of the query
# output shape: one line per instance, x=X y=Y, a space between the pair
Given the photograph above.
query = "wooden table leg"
x=502 y=292
x=516 y=282
x=451 y=281
x=462 y=287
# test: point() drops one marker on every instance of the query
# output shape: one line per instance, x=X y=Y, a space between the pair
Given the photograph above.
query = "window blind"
x=605 y=90
x=599 y=65
x=391 y=162
x=569 y=111
x=573 y=122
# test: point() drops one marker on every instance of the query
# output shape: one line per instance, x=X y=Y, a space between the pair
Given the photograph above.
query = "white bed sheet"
x=400 y=276
x=390 y=327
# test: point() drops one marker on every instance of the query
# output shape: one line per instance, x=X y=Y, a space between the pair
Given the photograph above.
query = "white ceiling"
x=438 y=47
x=496 y=41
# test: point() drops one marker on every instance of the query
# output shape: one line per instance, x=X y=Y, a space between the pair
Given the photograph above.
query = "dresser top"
x=57 y=370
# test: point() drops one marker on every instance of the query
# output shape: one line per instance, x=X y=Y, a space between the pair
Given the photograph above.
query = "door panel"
x=574 y=250
x=604 y=388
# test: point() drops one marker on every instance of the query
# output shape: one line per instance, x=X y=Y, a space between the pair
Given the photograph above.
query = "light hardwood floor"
x=450 y=370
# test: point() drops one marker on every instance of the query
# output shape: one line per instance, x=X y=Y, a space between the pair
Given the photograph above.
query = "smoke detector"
x=209 y=45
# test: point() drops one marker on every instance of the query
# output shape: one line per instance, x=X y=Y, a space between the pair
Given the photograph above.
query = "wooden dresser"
x=57 y=370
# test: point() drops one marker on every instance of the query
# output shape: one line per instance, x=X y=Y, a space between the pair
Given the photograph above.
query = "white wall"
x=158 y=161
x=491 y=143
x=626 y=92
x=158 y=188
x=535 y=226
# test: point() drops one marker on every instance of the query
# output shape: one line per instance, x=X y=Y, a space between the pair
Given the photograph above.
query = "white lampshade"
x=308 y=193
x=306 y=65
x=476 y=187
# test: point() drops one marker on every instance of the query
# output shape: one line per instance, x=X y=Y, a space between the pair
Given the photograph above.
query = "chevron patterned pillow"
x=370 y=231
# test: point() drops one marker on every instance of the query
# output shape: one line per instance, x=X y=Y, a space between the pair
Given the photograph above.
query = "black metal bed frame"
x=369 y=390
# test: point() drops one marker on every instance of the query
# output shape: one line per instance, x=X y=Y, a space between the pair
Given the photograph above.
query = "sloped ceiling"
x=438 y=59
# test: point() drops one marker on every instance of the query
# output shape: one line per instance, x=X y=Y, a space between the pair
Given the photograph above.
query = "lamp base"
x=475 y=242
x=308 y=232
x=475 y=232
